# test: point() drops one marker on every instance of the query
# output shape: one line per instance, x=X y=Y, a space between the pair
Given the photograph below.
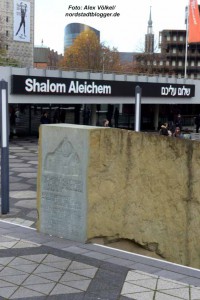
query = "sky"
x=124 y=29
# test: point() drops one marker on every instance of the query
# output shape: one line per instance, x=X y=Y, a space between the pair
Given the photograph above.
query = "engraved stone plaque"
x=62 y=197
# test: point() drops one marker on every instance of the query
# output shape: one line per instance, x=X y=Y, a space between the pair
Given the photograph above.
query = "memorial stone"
x=62 y=193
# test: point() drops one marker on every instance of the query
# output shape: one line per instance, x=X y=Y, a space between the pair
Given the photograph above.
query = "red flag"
x=193 y=22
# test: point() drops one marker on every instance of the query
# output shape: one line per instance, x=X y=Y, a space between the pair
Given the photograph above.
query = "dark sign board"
x=37 y=85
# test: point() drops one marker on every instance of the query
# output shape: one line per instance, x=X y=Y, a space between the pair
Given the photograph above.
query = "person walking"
x=197 y=123
x=44 y=118
x=179 y=122
x=116 y=116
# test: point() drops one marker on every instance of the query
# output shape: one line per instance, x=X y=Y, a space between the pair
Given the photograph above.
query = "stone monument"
x=109 y=183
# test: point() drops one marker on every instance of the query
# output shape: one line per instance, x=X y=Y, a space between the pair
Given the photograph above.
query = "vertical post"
x=4 y=147
x=138 y=93
x=186 y=41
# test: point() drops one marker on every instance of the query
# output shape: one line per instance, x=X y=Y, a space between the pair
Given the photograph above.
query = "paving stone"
x=15 y=279
x=161 y=296
x=34 y=258
x=23 y=194
x=31 y=204
x=68 y=276
x=182 y=293
x=53 y=258
x=141 y=296
x=148 y=283
x=130 y=288
x=78 y=266
x=6 y=292
x=78 y=284
x=24 y=244
x=14 y=187
x=63 y=289
x=23 y=292
x=28 y=175
x=20 y=261
x=44 y=269
x=87 y=272
x=58 y=265
x=5 y=260
x=33 y=279
x=169 y=284
x=10 y=271
x=54 y=276
x=195 y=293
x=44 y=288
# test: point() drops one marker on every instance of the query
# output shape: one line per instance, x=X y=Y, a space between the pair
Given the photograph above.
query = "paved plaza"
x=38 y=266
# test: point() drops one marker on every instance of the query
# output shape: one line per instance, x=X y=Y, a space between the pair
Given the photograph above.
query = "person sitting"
x=187 y=134
x=178 y=133
x=164 y=129
x=106 y=123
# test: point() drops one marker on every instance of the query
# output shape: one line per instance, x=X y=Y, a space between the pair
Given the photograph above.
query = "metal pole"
x=138 y=92
x=4 y=147
x=186 y=41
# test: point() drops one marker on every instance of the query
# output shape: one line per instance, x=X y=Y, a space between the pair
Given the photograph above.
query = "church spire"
x=149 y=37
x=150 y=23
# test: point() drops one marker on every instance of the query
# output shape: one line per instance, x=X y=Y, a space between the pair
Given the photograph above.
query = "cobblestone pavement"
x=34 y=265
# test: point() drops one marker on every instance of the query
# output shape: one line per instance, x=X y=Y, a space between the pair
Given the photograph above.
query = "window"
x=6 y=47
x=173 y=63
x=181 y=38
x=161 y=63
x=167 y=63
x=7 y=19
x=192 y=63
x=180 y=63
x=174 y=50
x=6 y=32
x=174 y=38
x=198 y=63
x=168 y=37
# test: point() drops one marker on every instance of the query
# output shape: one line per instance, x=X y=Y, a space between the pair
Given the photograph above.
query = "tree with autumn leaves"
x=87 y=53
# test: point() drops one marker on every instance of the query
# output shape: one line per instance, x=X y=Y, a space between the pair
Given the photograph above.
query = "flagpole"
x=186 y=41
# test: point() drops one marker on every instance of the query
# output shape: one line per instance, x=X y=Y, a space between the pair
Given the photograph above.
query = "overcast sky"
x=125 y=30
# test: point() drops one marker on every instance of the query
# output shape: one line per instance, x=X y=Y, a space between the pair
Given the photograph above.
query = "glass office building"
x=73 y=30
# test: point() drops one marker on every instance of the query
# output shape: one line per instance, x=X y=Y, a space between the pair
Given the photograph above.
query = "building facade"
x=17 y=28
x=175 y=58
x=72 y=30
x=173 y=47
x=45 y=58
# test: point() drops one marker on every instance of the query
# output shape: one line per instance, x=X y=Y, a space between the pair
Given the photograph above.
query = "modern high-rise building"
x=72 y=30
x=17 y=28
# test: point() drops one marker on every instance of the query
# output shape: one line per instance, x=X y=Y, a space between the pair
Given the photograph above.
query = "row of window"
x=175 y=38
x=182 y=51
x=173 y=63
